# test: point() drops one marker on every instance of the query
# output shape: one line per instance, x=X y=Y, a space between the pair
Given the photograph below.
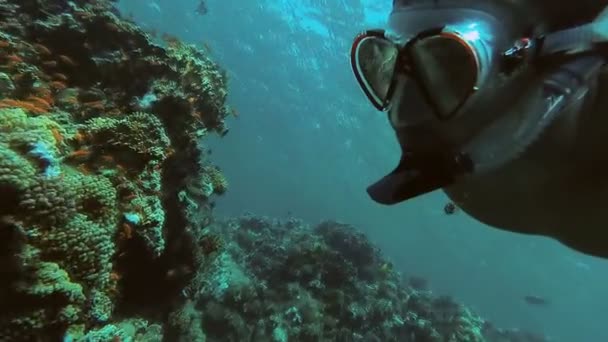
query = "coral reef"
x=284 y=280
x=99 y=146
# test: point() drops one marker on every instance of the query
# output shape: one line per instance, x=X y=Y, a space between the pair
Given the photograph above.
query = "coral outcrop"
x=283 y=280
x=99 y=145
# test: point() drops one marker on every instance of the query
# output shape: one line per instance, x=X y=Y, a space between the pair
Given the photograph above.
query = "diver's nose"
x=422 y=139
x=409 y=108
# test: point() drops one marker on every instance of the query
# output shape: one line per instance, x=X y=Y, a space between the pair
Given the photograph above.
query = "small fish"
x=14 y=59
x=42 y=49
x=201 y=9
x=60 y=77
x=49 y=64
x=67 y=60
x=536 y=300
x=450 y=208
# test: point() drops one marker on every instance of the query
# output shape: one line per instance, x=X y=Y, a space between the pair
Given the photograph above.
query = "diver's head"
x=448 y=74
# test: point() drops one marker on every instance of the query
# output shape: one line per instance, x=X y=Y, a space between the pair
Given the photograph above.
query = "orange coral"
x=40 y=102
x=13 y=59
x=44 y=93
x=41 y=49
x=115 y=276
x=58 y=85
x=130 y=197
x=95 y=104
x=49 y=64
x=80 y=137
x=84 y=169
x=126 y=232
x=60 y=77
x=57 y=135
x=67 y=60
x=80 y=154
x=107 y=158
x=28 y=106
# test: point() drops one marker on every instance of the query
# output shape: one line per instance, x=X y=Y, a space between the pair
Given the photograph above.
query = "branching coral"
x=140 y=133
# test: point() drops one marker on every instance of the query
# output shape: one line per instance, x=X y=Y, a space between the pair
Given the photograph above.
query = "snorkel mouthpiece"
x=417 y=175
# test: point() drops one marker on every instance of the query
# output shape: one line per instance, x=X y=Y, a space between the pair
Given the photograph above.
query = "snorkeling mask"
x=441 y=64
x=435 y=61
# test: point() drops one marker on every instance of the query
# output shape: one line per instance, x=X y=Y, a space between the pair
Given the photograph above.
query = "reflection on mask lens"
x=447 y=70
x=376 y=59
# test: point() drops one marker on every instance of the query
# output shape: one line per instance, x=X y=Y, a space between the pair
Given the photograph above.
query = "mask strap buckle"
x=586 y=39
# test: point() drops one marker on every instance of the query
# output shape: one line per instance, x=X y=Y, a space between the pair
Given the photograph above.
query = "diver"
x=503 y=105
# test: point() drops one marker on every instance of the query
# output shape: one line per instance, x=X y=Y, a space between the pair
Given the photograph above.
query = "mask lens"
x=374 y=59
x=447 y=69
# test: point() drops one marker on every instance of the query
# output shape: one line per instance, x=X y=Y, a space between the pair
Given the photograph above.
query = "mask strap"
x=576 y=40
x=492 y=148
x=571 y=41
